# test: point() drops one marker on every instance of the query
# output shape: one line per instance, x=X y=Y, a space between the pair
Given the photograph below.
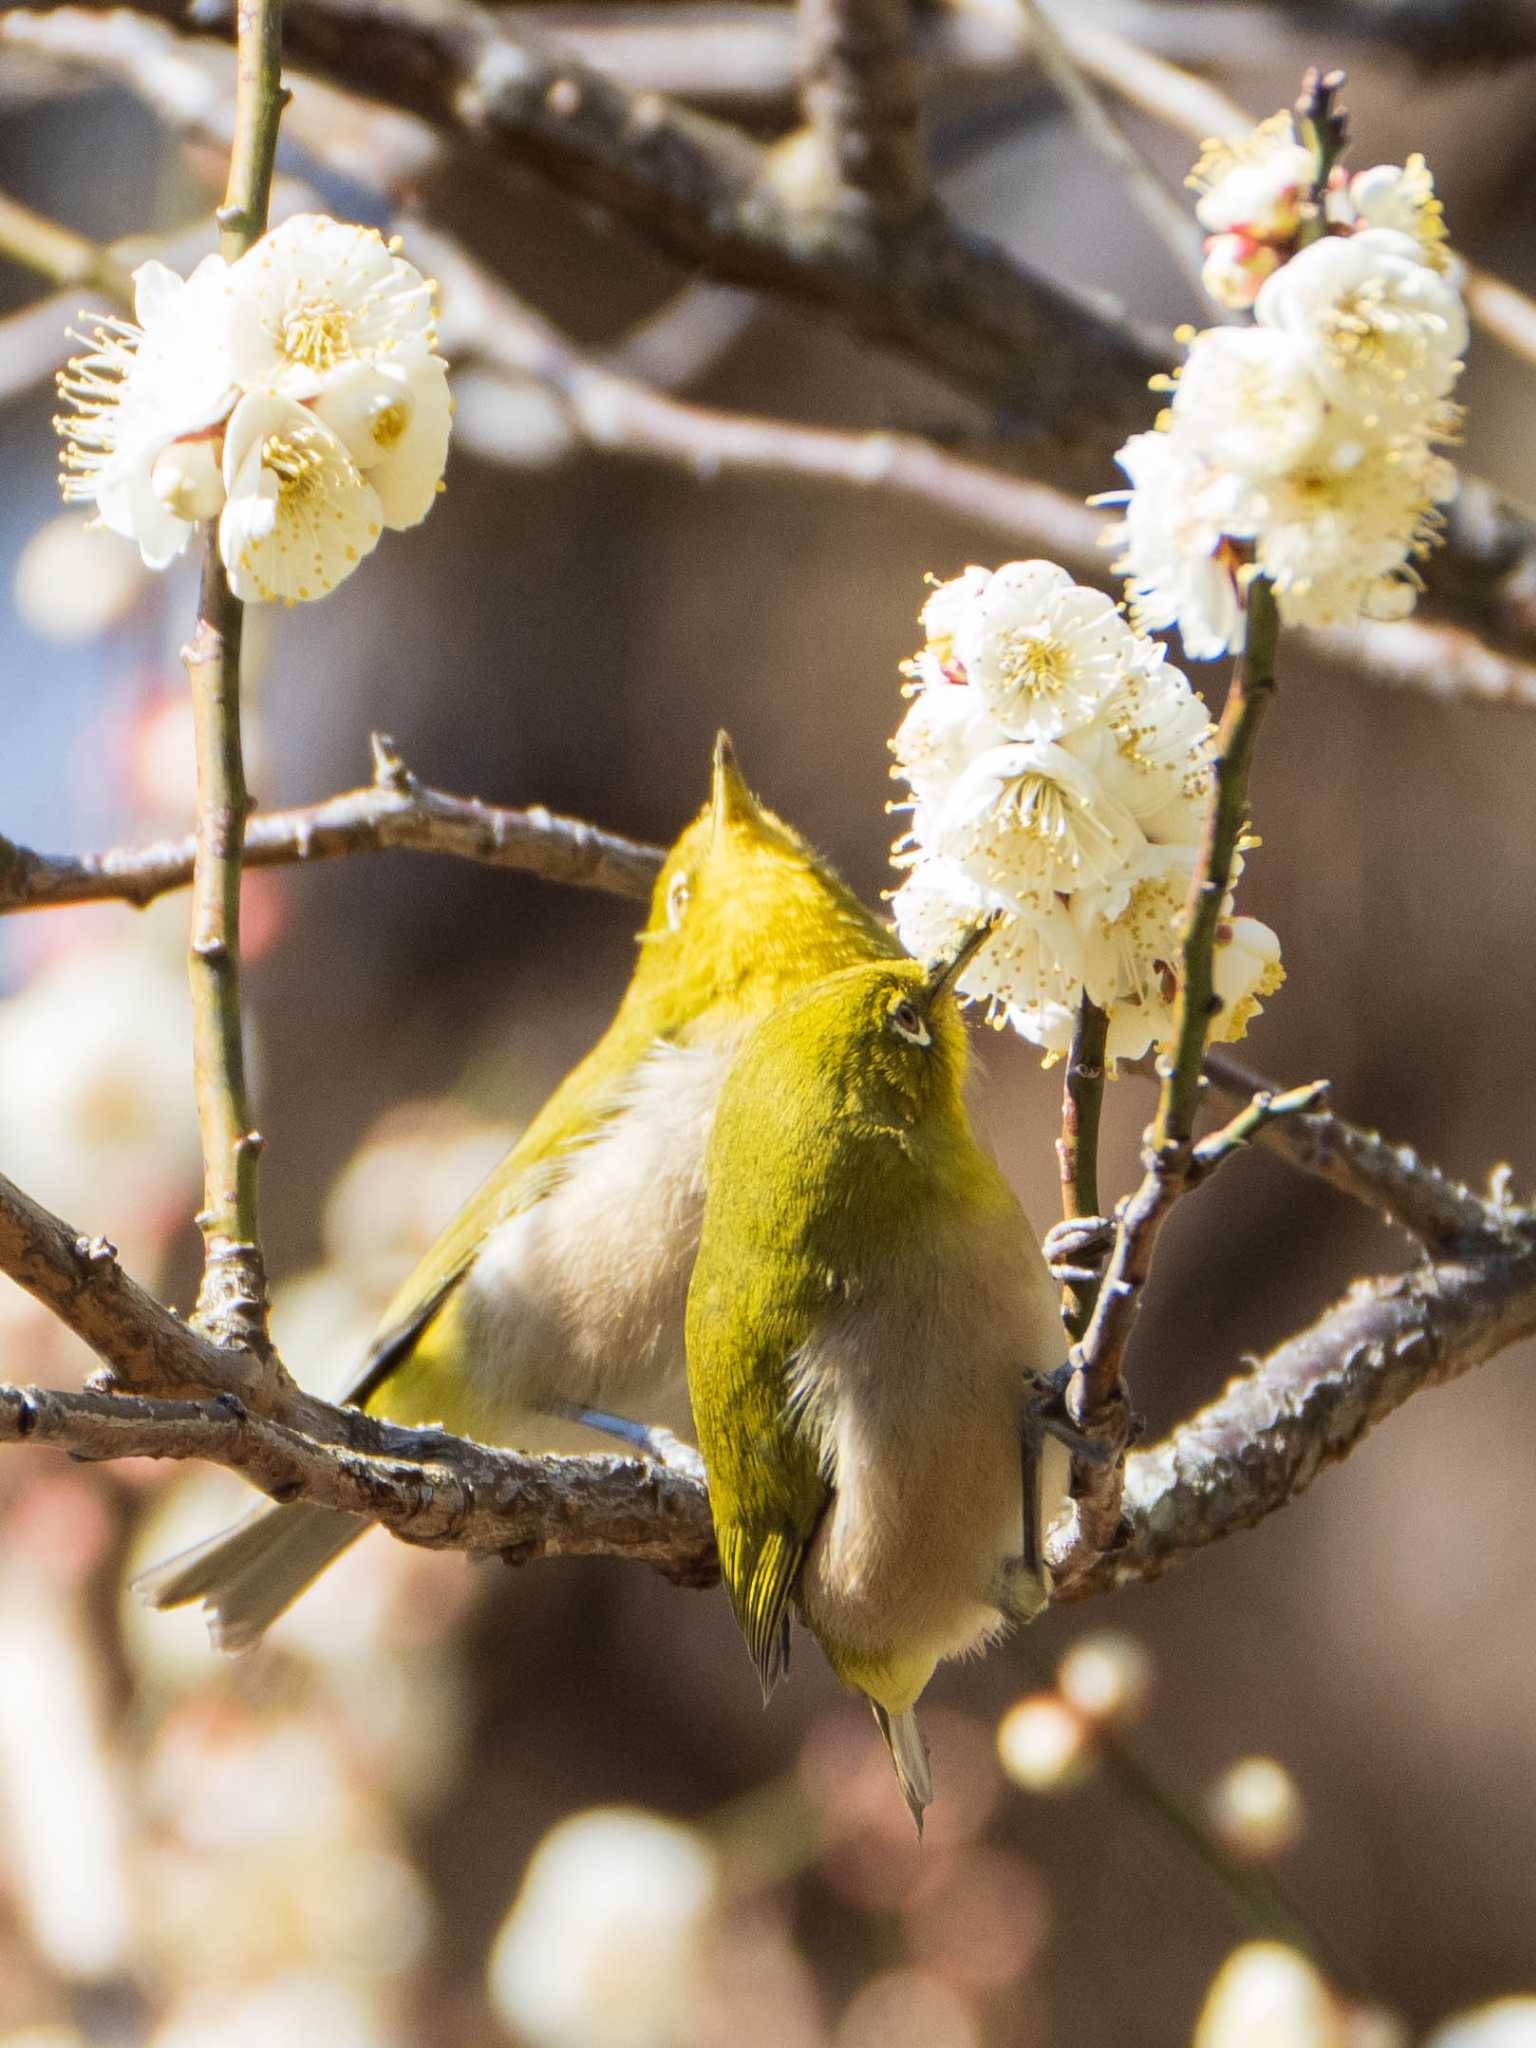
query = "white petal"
x=300 y=516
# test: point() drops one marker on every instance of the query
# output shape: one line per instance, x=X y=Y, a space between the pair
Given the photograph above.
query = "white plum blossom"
x=607 y=1940
x=143 y=385
x=313 y=296
x=1150 y=748
x=1181 y=518
x=1235 y=268
x=1028 y=820
x=1305 y=448
x=299 y=515
x=1386 y=331
x=1248 y=400
x=1255 y=183
x=1399 y=196
x=1339 y=534
x=1041 y=651
x=1085 y=840
x=262 y=393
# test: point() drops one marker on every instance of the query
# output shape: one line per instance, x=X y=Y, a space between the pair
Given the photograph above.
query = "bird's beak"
x=730 y=800
x=943 y=974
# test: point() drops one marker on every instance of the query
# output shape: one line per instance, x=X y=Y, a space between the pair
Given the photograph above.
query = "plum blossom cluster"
x=296 y=396
x=1059 y=767
x=1304 y=447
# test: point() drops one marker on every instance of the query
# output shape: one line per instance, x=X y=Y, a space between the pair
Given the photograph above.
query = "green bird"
x=874 y=1348
x=559 y=1288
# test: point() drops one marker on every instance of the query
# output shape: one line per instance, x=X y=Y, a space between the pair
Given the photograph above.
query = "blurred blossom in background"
x=449 y=1805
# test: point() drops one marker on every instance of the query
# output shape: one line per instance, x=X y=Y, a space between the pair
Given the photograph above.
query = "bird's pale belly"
x=581 y=1297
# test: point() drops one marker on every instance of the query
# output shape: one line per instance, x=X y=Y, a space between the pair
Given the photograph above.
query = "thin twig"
x=1163 y=210
x=1098 y=1399
x=618 y=415
x=232 y=1300
x=863 y=105
x=1392 y=1179
x=394 y=811
x=1077 y=1149
x=58 y=253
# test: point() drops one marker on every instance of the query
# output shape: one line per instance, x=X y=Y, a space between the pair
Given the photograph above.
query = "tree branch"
x=1239 y=1459
x=1062 y=373
x=452 y=1495
x=395 y=810
x=1392 y=1179
x=863 y=104
x=1098 y=1399
x=232 y=1300
x=1311 y=1401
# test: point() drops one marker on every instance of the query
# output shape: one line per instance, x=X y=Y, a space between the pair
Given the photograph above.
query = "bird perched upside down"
x=872 y=1344
x=559 y=1288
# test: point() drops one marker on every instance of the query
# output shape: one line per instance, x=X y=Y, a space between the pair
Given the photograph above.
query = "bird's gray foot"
x=652 y=1442
x=1075 y=1250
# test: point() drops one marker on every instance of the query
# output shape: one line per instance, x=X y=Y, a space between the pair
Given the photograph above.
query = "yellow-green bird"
x=873 y=1348
x=561 y=1284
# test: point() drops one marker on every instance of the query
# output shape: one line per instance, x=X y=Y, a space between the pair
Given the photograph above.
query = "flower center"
x=315 y=334
x=1037 y=666
x=389 y=423
x=296 y=466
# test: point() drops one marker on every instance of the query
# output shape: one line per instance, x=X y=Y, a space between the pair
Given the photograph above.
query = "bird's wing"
x=767 y=1483
x=590 y=1094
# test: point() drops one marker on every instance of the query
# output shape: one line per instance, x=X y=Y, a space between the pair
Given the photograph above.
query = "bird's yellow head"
x=884 y=1039
x=744 y=912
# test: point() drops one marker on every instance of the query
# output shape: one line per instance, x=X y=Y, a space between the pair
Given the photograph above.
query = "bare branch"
x=232 y=1300
x=1244 y=1456
x=1098 y=1400
x=1164 y=211
x=1391 y=1179
x=1442 y=661
x=452 y=1495
x=616 y=414
x=863 y=104
x=1311 y=1401
x=394 y=811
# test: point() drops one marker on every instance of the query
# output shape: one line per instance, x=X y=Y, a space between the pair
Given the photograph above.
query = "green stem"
x=1077 y=1149
x=1098 y=1400
x=260 y=97
x=1253 y=684
x=232 y=1299
x=1258 y=1894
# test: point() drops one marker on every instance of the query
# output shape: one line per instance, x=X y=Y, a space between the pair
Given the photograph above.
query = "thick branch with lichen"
x=1309 y=1403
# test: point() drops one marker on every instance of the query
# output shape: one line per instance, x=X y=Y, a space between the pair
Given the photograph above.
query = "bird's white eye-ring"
x=906 y=1021
x=677 y=900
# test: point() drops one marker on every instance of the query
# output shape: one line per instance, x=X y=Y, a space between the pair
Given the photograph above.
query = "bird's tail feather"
x=909 y=1753
x=248 y=1575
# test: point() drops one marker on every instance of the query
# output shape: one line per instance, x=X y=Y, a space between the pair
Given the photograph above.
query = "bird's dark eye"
x=906 y=1020
x=677 y=900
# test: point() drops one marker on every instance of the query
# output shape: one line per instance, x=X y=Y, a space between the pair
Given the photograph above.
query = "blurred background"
x=452 y=1804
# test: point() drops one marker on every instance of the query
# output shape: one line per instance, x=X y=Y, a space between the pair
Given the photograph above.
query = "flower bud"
x=1106 y=1677
x=1268 y=1996
x=187 y=479
x=1256 y=1809
x=1044 y=1744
